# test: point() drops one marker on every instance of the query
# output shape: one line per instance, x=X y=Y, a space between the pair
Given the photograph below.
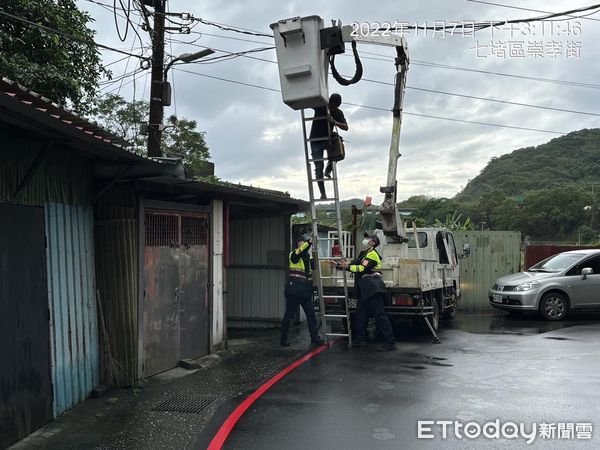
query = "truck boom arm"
x=392 y=226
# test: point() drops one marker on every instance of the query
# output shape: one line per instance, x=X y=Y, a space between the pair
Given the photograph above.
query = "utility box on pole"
x=303 y=65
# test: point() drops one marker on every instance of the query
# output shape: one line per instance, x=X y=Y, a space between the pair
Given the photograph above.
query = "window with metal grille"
x=173 y=229
x=194 y=230
x=161 y=229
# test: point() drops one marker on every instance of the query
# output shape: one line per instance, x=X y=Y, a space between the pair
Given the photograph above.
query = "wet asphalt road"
x=486 y=368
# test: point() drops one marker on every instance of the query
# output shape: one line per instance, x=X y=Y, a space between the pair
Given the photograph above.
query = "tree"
x=62 y=69
x=180 y=137
x=452 y=222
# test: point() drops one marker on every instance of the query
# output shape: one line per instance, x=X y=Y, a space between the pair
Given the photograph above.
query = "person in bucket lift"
x=319 y=129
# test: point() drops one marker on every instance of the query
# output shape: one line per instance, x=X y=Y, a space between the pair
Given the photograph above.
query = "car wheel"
x=554 y=306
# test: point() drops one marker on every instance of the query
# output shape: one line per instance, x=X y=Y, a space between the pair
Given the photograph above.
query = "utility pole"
x=158 y=80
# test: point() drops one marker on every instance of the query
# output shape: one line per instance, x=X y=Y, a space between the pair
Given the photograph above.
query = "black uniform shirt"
x=319 y=126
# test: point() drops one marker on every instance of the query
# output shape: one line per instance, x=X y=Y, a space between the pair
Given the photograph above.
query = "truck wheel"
x=450 y=313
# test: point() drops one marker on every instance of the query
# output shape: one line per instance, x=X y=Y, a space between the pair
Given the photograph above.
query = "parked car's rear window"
x=557 y=263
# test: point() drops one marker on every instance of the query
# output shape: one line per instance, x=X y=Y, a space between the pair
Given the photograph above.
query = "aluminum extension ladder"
x=326 y=315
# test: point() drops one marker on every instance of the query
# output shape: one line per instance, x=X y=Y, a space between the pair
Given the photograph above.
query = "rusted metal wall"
x=257 y=271
x=63 y=183
x=25 y=373
x=61 y=177
x=71 y=291
x=493 y=254
x=117 y=269
x=537 y=253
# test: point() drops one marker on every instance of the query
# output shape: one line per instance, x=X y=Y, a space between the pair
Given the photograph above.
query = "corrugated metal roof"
x=219 y=190
x=27 y=109
x=45 y=105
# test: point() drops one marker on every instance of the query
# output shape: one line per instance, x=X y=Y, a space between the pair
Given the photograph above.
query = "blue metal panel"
x=72 y=302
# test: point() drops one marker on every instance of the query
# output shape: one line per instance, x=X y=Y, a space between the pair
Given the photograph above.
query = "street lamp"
x=186 y=58
x=160 y=96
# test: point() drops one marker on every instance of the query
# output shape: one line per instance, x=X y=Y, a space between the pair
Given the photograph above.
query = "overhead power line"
x=66 y=35
x=379 y=108
x=423 y=63
x=433 y=91
x=233 y=28
x=529 y=9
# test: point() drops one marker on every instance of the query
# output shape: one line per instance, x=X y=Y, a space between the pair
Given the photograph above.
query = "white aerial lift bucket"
x=303 y=66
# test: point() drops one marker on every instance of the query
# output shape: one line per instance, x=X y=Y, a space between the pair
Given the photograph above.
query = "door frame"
x=144 y=204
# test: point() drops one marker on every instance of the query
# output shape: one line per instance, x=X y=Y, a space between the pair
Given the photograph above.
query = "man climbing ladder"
x=320 y=129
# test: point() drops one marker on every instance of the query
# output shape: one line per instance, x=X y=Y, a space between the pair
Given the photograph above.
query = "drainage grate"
x=185 y=403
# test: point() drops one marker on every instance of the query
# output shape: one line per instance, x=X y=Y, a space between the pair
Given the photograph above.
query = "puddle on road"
x=419 y=358
x=435 y=363
x=527 y=325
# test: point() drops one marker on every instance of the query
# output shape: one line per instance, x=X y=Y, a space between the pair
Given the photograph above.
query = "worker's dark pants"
x=318 y=152
x=292 y=303
x=382 y=321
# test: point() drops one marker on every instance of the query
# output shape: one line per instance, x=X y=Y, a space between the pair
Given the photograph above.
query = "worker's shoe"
x=284 y=343
x=359 y=344
x=387 y=347
x=323 y=196
x=327 y=174
x=316 y=342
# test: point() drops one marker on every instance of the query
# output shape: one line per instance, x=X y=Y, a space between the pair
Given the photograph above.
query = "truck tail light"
x=403 y=300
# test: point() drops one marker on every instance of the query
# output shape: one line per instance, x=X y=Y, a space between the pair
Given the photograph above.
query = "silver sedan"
x=564 y=282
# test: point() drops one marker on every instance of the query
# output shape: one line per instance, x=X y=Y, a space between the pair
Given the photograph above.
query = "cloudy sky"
x=254 y=138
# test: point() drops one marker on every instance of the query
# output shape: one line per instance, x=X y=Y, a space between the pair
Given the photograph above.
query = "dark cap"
x=306 y=237
x=375 y=240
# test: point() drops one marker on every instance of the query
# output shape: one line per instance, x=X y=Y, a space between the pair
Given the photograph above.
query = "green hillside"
x=549 y=192
x=570 y=159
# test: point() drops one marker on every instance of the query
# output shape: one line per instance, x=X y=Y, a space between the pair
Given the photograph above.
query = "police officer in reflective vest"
x=299 y=292
x=371 y=292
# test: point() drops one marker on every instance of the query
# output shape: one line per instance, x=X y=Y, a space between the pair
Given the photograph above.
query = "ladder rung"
x=318 y=139
x=335 y=316
x=314 y=180
x=331 y=278
x=334 y=296
x=318 y=160
x=308 y=119
x=330 y=199
x=337 y=334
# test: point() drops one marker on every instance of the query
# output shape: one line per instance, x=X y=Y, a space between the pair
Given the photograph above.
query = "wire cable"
x=424 y=64
x=382 y=109
x=66 y=35
x=434 y=91
x=529 y=9
x=232 y=28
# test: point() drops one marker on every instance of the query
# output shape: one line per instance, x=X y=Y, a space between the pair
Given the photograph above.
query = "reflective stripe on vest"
x=298 y=269
x=371 y=255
